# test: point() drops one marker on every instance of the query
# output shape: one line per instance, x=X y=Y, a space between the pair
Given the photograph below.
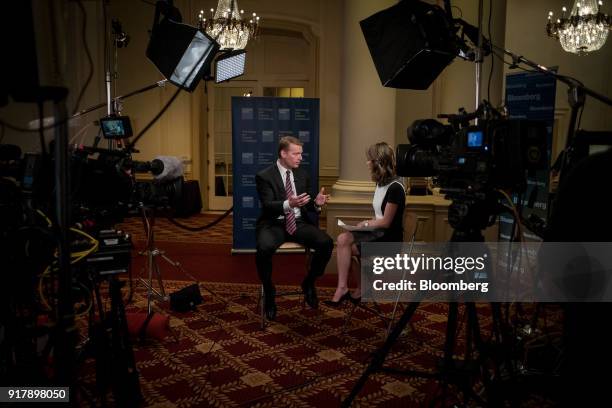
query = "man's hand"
x=322 y=198
x=298 y=201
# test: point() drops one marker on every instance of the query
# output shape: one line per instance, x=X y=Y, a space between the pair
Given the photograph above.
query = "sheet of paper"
x=347 y=227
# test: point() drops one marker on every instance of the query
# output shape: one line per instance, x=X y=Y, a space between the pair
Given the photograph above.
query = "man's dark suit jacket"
x=272 y=194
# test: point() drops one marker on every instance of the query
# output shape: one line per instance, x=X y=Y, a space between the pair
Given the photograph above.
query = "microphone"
x=154 y=166
x=171 y=168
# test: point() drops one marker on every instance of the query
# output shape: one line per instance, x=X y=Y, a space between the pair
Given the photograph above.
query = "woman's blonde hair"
x=383 y=163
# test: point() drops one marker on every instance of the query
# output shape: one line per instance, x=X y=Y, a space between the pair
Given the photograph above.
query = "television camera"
x=471 y=162
x=105 y=183
x=104 y=190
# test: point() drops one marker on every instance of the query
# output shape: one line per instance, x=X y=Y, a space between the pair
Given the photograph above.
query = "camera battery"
x=114 y=254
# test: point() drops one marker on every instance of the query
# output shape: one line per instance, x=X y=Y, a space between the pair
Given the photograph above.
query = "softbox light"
x=182 y=53
x=230 y=65
x=410 y=43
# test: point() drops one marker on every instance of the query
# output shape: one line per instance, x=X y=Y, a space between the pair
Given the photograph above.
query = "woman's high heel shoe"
x=356 y=300
x=333 y=303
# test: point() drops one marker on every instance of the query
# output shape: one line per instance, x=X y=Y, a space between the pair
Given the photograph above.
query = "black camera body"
x=496 y=154
x=472 y=162
x=105 y=184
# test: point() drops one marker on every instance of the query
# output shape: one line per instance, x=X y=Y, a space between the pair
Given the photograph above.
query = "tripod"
x=450 y=371
x=152 y=268
x=109 y=344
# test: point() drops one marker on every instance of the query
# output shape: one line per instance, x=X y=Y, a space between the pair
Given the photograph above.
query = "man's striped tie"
x=290 y=224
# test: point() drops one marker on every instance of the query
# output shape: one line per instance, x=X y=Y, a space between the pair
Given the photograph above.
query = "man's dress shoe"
x=310 y=294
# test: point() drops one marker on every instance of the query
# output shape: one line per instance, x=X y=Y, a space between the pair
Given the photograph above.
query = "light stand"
x=116 y=100
x=152 y=268
x=108 y=75
x=478 y=60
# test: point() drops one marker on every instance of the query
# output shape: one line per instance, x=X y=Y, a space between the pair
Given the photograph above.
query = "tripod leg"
x=473 y=329
x=448 y=366
x=451 y=330
x=159 y=280
x=125 y=381
x=150 y=280
x=101 y=346
x=381 y=354
x=505 y=343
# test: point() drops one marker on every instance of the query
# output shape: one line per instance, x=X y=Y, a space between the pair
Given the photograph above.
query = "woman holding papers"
x=387 y=226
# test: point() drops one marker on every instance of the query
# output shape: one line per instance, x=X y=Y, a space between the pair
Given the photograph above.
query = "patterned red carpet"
x=219 y=356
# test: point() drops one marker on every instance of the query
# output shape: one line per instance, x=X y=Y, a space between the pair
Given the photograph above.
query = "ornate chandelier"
x=584 y=30
x=227 y=27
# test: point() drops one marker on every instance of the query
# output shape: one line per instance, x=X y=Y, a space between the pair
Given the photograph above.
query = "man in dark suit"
x=284 y=192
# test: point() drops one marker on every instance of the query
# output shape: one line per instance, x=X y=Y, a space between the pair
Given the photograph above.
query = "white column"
x=367 y=108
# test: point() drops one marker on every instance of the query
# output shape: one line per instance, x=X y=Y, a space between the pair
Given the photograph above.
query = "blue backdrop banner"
x=257 y=125
x=531 y=95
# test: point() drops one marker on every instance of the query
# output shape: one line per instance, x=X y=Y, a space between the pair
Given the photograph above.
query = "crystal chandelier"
x=584 y=30
x=227 y=27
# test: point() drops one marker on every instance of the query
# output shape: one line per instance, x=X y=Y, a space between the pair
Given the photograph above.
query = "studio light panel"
x=230 y=66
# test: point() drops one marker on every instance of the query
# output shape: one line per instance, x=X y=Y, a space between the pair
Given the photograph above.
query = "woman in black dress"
x=387 y=225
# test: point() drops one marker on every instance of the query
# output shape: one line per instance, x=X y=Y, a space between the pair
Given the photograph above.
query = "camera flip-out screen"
x=474 y=138
x=116 y=127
